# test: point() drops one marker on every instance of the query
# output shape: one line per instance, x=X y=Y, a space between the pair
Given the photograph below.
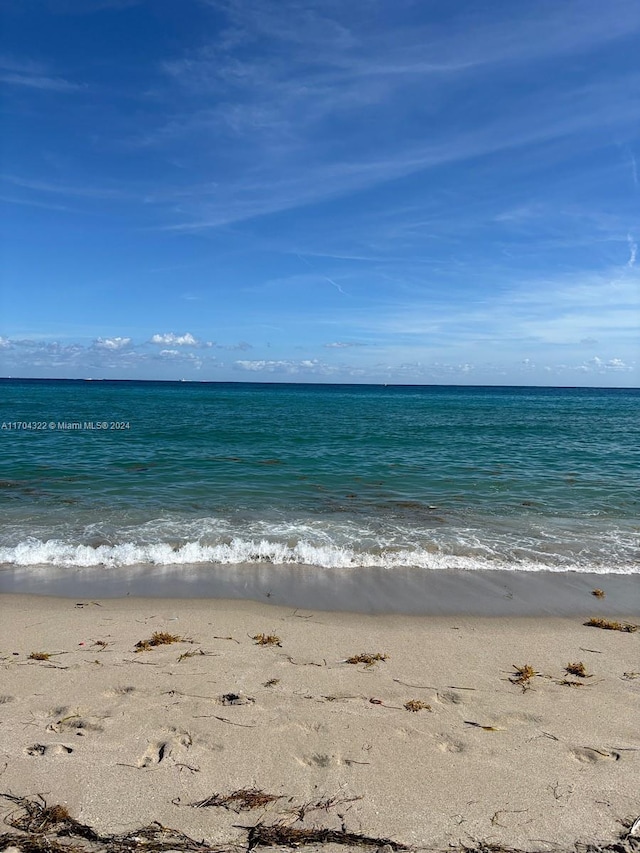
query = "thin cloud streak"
x=325 y=277
x=34 y=75
x=634 y=170
x=47 y=84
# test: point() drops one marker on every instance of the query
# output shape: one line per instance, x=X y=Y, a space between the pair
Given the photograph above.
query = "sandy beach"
x=439 y=743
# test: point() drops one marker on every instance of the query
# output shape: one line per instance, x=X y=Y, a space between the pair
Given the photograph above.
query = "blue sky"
x=408 y=191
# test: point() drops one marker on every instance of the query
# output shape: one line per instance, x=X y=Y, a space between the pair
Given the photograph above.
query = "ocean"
x=109 y=477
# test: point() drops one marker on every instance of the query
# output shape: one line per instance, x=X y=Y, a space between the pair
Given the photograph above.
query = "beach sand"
x=123 y=737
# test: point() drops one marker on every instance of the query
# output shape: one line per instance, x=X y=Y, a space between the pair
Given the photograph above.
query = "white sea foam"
x=56 y=552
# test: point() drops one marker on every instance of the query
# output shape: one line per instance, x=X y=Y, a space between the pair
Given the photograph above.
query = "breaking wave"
x=237 y=550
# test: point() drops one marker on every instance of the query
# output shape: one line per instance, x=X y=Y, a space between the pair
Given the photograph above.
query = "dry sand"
x=124 y=737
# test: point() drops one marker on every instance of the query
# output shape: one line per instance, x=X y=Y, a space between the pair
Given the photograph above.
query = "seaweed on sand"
x=156 y=838
x=369 y=659
x=522 y=676
x=195 y=653
x=242 y=800
x=266 y=640
x=416 y=705
x=51 y=829
x=33 y=843
x=38 y=817
x=609 y=625
x=41 y=826
x=270 y=836
x=301 y=811
x=576 y=669
x=158 y=638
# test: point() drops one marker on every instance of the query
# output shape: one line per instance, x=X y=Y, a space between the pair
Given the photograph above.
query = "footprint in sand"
x=407 y=733
x=325 y=760
x=124 y=690
x=309 y=728
x=155 y=753
x=40 y=749
x=5 y=699
x=77 y=724
x=158 y=751
x=449 y=697
x=589 y=755
x=320 y=759
x=518 y=717
x=446 y=744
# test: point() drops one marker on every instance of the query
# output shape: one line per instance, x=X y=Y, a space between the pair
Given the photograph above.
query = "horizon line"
x=347 y=384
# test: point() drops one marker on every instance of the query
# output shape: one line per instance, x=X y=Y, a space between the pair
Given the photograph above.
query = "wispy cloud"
x=634 y=168
x=31 y=202
x=276 y=103
x=633 y=251
x=416 y=190
x=65 y=189
x=47 y=84
x=322 y=275
x=34 y=76
x=553 y=311
x=275 y=107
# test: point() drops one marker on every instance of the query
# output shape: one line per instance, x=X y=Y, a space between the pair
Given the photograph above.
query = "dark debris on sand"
x=240 y=800
x=262 y=835
x=43 y=828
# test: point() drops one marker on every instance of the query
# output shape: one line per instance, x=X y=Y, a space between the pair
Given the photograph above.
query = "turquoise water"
x=318 y=475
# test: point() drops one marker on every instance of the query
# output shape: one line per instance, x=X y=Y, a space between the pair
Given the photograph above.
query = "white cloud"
x=617 y=364
x=186 y=340
x=342 y=344
x=286 y=366
x=602 y=366
x=112 y=343
x=261 y=364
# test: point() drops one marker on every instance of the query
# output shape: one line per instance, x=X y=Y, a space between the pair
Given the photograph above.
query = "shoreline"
x=408 y=591
x=122 y=737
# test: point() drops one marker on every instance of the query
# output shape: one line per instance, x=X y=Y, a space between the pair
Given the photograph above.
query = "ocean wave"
x=56 y=552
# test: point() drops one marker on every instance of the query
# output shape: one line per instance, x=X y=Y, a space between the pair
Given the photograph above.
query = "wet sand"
x=371 y=590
